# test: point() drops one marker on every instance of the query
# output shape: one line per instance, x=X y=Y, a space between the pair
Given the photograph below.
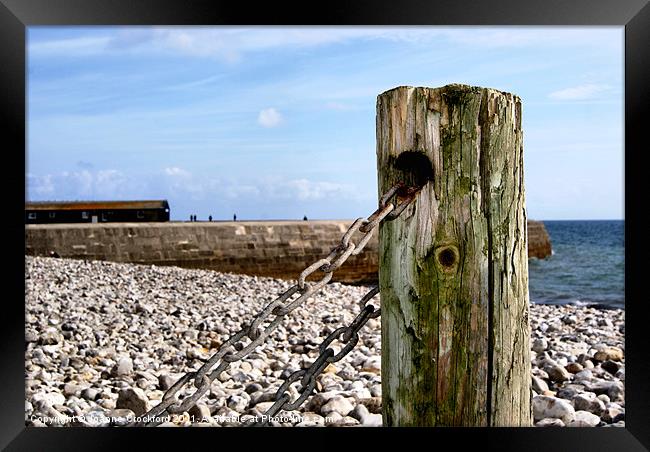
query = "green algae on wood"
x=453 y=268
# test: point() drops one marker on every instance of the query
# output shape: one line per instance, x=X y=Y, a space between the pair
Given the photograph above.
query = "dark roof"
x=96 y=205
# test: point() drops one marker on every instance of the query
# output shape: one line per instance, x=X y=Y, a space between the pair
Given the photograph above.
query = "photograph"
x=325 y=226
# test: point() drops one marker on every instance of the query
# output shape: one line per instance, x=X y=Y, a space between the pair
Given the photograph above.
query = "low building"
x=95 y=211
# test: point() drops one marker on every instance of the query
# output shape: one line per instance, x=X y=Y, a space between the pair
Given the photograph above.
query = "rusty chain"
x=349 y=337
x=280 y=307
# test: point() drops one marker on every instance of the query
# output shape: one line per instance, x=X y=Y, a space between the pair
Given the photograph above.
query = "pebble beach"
x=104 y=341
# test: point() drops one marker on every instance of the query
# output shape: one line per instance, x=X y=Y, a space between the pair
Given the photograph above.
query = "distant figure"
x=304 y=218
x=234 y=217
x=191 y=217
x=210 y=218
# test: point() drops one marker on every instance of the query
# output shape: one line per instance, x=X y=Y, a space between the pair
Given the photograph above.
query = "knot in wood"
x=447 y=257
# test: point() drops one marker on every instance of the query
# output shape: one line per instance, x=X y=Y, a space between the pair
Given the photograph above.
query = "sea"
x=587 y=266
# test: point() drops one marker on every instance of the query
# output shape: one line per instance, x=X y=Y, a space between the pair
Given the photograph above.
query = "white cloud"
x=306 y=190
x=275 y=188
x=41 y=186
x=229 y=44
x=176 y=182
x=197 y=43
x=581 y=92
x=176 y=171
x=206 y=194
x=108 y=183
x=194 y=84
x=269 y=117
x=181 y=183
x=238 y=191
x=261 y=190
x=84 y=184
x=82 y=46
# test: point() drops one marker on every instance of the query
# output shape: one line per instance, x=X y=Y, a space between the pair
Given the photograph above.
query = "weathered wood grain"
x=453 y=268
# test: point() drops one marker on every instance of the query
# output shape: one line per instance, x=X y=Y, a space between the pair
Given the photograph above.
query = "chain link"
x=349 y=337
x=280 y=307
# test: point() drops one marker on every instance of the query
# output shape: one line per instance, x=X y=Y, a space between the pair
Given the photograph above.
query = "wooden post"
x=453 y=268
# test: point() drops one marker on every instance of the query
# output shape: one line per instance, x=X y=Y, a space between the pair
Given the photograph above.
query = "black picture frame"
x=16 y=15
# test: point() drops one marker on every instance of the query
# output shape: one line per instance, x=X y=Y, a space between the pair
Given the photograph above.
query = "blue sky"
x=279 y=122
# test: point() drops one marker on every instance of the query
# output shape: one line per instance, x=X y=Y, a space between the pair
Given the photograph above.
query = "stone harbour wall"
x=279 y=249
x=539 y=243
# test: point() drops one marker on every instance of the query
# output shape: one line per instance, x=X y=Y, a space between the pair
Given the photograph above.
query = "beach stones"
x=112 y=338
x=549 y=422
x=50 y=336
x=133 y=399
x=583 y=375
x=238 y=403
x=372 y=364
x=611 y=366
x=31 y=336
x=71 y=389
x=552 y=407
x=338 y=404
x=123 y=367
x=584 y=419
x=556 y=372
x=311 y=420
x=365 y=417
x=199 y=412
x=120 y=417
x=570 y=319
x=94 y=418
x=609 y=353
x=616 y=392
x=49 y=398
x=613 y=413
x=90 y=393
x=587 y=401
x=166 y=381
x=574 y=367
x=539 y=345
x=539 y=385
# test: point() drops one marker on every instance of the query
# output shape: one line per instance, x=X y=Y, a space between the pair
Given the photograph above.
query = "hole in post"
x=416 y=168
x=447 y=257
